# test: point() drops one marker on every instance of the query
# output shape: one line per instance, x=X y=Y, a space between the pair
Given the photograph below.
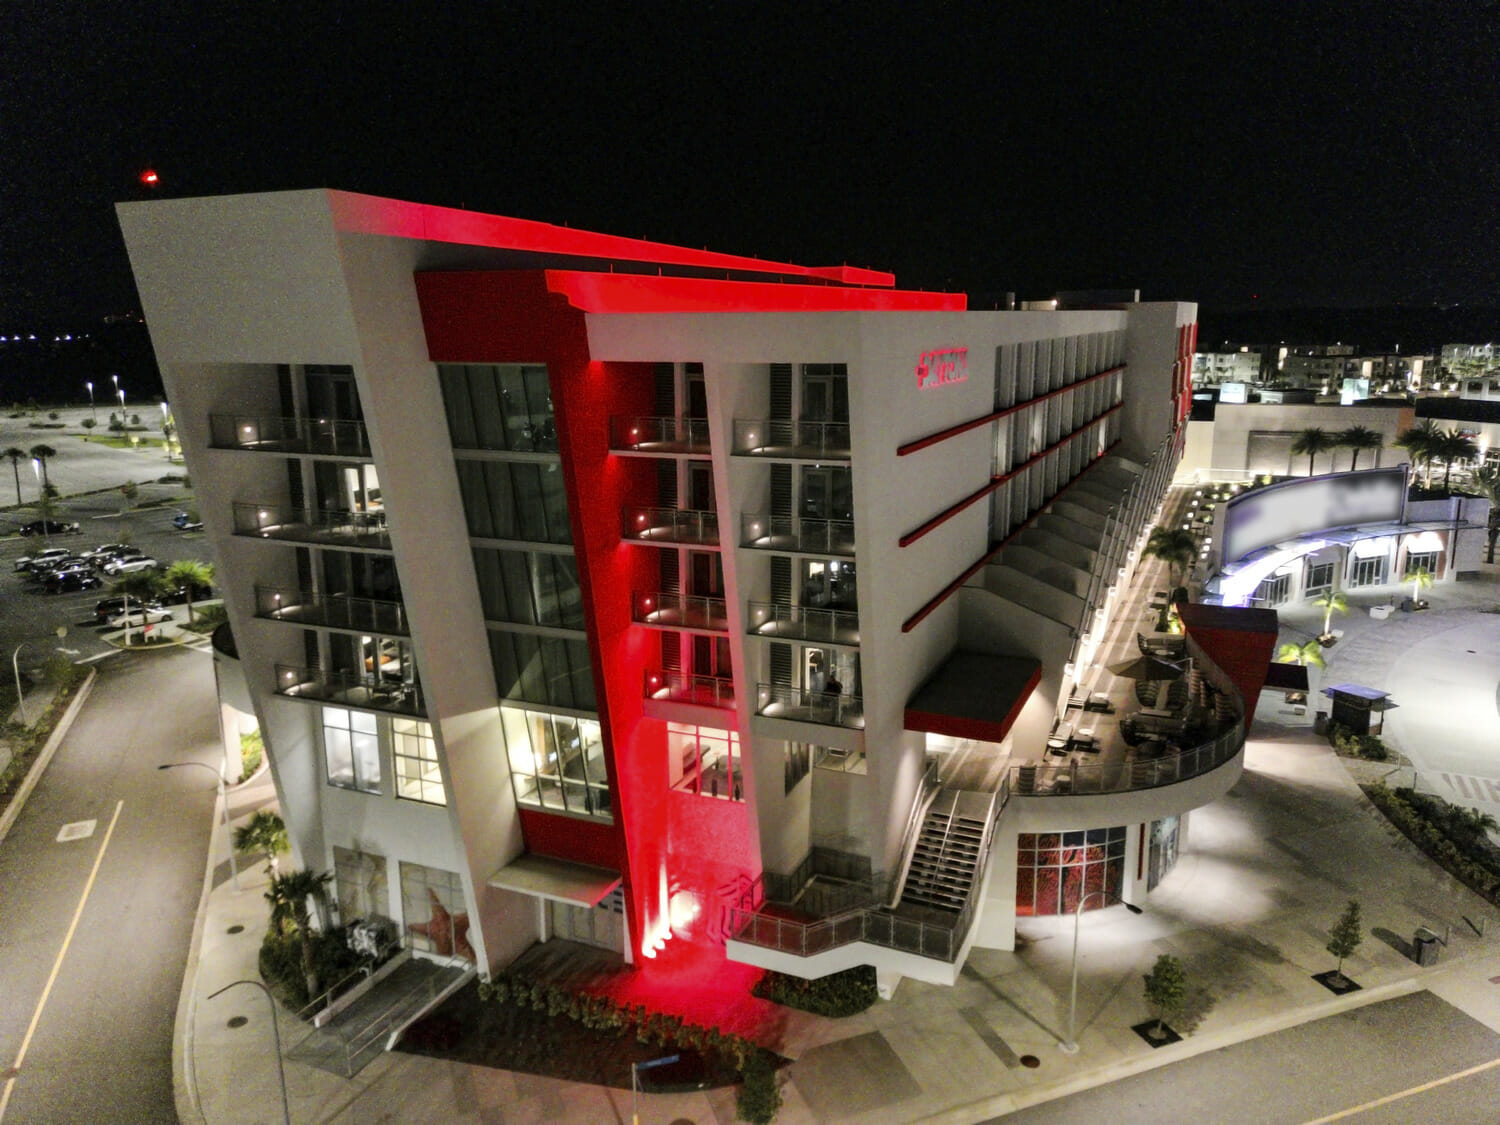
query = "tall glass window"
x=351 y=746
x=557 y=762
x=418 y=776
x=499 y=406
x=529 y=588
x=515 y=500
x=547 y=670
x=705 y=761
x=1055 y=870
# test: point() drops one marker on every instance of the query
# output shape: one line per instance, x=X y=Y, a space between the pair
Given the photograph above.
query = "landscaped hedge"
x=281 y=964
x=1465 y=863
x=1367 y=746
x=838 y=994
x=758 y=1099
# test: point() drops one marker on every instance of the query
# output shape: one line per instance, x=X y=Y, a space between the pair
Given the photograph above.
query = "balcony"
x=766 y=532
x=683 y=687
x=939 y=941
x=349 y=689
x=1077 y=778
x=777 y=701
x=680 y=611
x=269 y=434
x=803 y=623
x=796 y=441
x=671 y=525
x=334 y=611
x=305 y=525
x=658 y=435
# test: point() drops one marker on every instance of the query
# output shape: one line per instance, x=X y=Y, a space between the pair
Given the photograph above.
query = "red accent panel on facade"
x=645 y=293
x=1240 y=640
x=964 y=427
x=369 y=214
x=566 y=837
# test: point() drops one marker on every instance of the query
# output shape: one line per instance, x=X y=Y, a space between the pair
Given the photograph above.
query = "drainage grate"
x=78 y=830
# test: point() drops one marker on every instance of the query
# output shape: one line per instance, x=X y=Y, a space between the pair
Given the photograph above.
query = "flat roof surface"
x=974 y=695
x=1286 y=677
x=1242 y=618
x=1358 y=690
x=544 y=877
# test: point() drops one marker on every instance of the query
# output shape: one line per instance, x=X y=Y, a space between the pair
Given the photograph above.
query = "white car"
x=150 y=616
x=129 y=564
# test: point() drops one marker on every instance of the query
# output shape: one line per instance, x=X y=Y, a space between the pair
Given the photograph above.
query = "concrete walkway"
x=1266 y=872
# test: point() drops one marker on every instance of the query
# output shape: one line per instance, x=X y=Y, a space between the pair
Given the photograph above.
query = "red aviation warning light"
x=149 y=178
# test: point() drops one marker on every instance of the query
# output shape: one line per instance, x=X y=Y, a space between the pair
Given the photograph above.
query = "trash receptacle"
x=1320 y=723
x=1425 y=947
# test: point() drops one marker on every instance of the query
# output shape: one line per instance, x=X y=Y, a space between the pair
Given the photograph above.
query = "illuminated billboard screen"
x=1232 y=392
x=1302 y=507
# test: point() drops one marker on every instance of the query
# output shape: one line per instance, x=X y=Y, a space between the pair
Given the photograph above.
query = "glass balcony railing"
x=671 y=525
x=789 y=533
x=683 y=687
x=1074 y=778
x=335 y=611
x=659 y=435
x=680 y=611
x=306 y=525
x=270 y=434
x=804 y=623
x=776 y=701
x=776 y=437
x=350 y=689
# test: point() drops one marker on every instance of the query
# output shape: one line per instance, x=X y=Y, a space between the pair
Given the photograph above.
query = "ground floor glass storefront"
x=1055 y=870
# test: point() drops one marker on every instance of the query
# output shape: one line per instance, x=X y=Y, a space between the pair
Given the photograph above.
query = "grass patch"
x=26 y=745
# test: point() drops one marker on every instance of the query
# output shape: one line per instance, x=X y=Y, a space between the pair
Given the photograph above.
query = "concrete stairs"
x=948 y=850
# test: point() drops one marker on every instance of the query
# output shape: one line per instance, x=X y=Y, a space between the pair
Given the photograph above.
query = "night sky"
x=1277 y=153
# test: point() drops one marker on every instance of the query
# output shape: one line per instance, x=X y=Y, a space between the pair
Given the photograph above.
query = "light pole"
x=1070 y=1044
x=286 y=1112
x=92 y=413
x=15 y=667
x=234 y=873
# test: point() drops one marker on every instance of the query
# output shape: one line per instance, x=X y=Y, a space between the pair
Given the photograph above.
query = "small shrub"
x=52 y=414
x=89 y=423
x=759 y=1098
x=836 y=995
x=135 y=419
x=251 y=747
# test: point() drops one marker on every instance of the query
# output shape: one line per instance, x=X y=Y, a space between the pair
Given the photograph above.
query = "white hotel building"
x=599 y=588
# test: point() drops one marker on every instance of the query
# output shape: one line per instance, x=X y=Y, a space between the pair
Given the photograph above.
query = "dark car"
x=48 y=561
x=103 y=553
x=48 y=527
x=182 y=521
x=72 y=582
x=63 y=566
x=178 y=595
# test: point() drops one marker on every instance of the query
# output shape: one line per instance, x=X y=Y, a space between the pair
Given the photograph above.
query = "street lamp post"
x=15 y=667
x=234 y=873
x=286 y=1111
x=92 y=413
x=1070 y=1044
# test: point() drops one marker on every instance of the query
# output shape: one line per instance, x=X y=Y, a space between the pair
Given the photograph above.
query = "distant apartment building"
x=1213 y=368
x=1474 y=370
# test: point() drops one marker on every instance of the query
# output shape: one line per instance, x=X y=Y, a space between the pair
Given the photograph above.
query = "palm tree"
x=1309 y=654
x=1313 y=441
x=1487 y=481
x=1421 y=442
x=16 y=455
x=1454 y=446
x=288 y=898
x=1359 y=437
x=263 y=832
x=43 y=453
x=1420 y=579
x=143 y=586
x=1331 y=603
x=186 y=575
x=1174 y=546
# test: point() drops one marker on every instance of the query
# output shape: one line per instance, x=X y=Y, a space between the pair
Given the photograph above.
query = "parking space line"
x=1408 y=1092
x=41 y=1003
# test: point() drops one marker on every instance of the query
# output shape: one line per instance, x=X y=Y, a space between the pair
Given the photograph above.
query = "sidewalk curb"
x=44 y=759
x=184 y=1075
x=1002 y=1104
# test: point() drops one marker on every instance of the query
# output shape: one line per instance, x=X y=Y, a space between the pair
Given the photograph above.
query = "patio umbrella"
x=1146 y=668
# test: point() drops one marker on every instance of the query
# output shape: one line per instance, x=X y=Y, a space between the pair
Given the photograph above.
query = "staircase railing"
x=926 y=795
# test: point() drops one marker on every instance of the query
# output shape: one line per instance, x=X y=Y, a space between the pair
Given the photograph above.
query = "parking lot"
x=27 y=614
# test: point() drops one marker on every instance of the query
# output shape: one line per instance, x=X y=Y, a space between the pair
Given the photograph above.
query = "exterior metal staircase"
x=948 y=854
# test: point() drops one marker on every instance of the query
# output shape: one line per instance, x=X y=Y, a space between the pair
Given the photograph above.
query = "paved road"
x=101 y=1051
x=1408 y=1055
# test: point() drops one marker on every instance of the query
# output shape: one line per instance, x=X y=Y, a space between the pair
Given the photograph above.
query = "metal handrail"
x=767 y=532
x=781 y=437
x=340 y=687
x=337 y=611
x=679 y=611
x=276 y=434
x=828 y=708
x=308 y=525
x=927 y=792
x=684 y=687
x=671 y=525
x=648 y=434
x=808 y=623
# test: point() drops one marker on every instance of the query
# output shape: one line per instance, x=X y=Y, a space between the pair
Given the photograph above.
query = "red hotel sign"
x=950 y=365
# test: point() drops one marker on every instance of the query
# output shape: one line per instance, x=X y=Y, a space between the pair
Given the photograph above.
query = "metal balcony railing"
x=1040 y=780
x=270 y=434
x=684 y=687
x=776 y=701
x=659 y=435
x=806 y=623
x=671 y=525
x=350 y=689
x=789 y=533
x=680 y=611
x=307 y=525
x=777 y=437
x=336 y=611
